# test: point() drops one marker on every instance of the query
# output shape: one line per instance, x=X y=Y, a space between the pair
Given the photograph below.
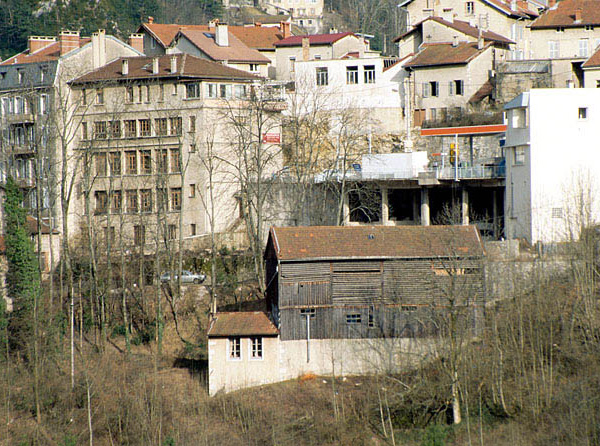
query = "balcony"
x=477 y=172
x=21 y=118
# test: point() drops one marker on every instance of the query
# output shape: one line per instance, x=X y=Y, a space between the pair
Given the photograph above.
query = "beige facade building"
x=160 y=144
x=306 y=14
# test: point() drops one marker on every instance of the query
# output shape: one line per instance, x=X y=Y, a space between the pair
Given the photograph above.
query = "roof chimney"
x=213 y=23
x=551 y=3
x=136 y=41
x=286 y=29
x=305 y=48
x=222 y=35
x=173 y=64
x=35 y=43
x=455 y=41
x=578 y=15
x=513 y=5
x=258 y=24
x=69 y=41
x=99 y=48
x=155 y=65
x=124 y=67
x=150 y=20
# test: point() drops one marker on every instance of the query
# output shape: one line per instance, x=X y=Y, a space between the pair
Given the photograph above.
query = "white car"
x=186 y=277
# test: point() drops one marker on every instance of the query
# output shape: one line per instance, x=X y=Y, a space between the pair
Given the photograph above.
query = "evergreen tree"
x=23 y=276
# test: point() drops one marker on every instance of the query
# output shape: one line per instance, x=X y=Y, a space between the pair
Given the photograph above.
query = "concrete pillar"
x=495 y=214
x=425 y=219
x=385 y=208
x=464 y=206
x=416 y=204
x=346 y=210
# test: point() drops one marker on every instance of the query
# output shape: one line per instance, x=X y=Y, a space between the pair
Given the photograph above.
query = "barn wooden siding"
x=374 y=322
x=411 y=282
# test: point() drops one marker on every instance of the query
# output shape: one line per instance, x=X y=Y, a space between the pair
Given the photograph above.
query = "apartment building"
x=306 y=14
x=157 y=145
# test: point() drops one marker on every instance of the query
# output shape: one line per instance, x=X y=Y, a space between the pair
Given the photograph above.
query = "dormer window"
x=470 y=8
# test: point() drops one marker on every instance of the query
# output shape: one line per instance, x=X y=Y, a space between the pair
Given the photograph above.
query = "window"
x=115 y=129
x=101 y=201
x=225 y=91
x=101 y=164
x=235 y=349
x=292 y=64
x=20 y=76
x=145 y=127
x=470 y=8
x=519 y=156
x=560 y=29
x=192 y=190
x=146 y=161
x=597 y=84
x=353 y=318
x=139 y=89
x=518 y=118
x=84 y=130
x=317 y=57
x=147 y=93
x=175 y=126
x=254 y=68
x=130 y=128
x=192 y=124
x=115 y=163
x=432 y=114
x=99 y=96
x=308 y=312
x=212 y=90
x=193 y=229
x=131 y=162
x=100 y=129
x=589 y=27
x=240 y=91
x=175 y=198
x=553 y=49
x=430 y=89
x=371 y=317
x=146 y=200
x=139 y=235
x=162 y=161
x=583 y=50
x=256 y=348
x=516 y=32
x=129 y=94
x=352 y=75
x=43 y=104
x=84 y=97
x=456 y=87
x=131 y=201
x=109 y=234
x=369 y=74
x=174 y=90
x=582 y=113
x=557 y=213
x=161 y=93
x=192 y=148
x=115 y=201
x=152 y=43
x=161 y=126
x=193 y=90
x=172 y=232
x=322 y=76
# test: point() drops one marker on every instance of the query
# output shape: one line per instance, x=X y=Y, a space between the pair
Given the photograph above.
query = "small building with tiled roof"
x=569 y=31
x=507 y=18
x=591 y=70
x=438 y=30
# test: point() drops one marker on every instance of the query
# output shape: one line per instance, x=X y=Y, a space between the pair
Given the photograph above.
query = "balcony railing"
x=483 y=171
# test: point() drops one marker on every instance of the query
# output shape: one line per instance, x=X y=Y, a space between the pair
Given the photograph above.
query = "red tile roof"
x=49 y=52
x=314 y=39
x=593 y=61
x=252 y=36
x=319 y=242
x=235 y=52
x=253 y=323
x=463 y=27
x=563 y=14
x=522 y=8
x=437 y=54
x=187 y=66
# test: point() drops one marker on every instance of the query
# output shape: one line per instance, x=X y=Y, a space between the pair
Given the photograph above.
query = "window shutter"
x=426 y=90
x=451 y=91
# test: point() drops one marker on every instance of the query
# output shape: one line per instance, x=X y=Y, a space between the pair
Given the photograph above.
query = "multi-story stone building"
x=306 y=14
x=160 y=143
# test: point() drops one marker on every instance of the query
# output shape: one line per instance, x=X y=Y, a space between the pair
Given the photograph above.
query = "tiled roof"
x=463 y=27
x=593 y=61
x=32 y=226
x=503 y=6
x=235 y=52
x=435 y=54
x=187 y=66
x=314 y=39
x=318 y=242
x=253 y=323
x=563 y=14
x=50 y=52
x=252 y=36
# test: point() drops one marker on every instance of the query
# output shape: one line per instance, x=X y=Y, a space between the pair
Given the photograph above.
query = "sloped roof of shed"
x=248 y=323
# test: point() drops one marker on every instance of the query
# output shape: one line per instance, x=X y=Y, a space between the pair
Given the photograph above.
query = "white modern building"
x=553 y=164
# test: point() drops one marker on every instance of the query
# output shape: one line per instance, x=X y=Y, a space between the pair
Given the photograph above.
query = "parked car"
x=186 y=277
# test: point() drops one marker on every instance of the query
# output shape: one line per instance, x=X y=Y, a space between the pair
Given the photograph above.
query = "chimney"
x=155 y=65
x=150 y=20
x=305 y=48
x=455 y=41
x=35 y=43
x=222 y=35
x=286 y=29
x=98 y=48
x=447 y=14
x=213 y=23
x=69 y=41
x=551 y=4
x=173 y=64
x=136 y=41
x=513 y=5
x=258 y=24
x=578 y=15
x=124 y=67
x=480 y=41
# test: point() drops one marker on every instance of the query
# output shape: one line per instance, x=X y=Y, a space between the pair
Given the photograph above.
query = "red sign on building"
x=271 y=138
